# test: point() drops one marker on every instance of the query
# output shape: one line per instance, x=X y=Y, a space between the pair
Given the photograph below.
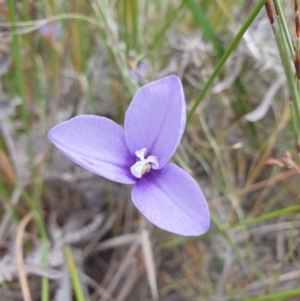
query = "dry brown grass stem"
x=122 y=269
x=271 y=281
x=260 y=185
x=257 y=167
x=20 y=260
x=149 y=263
x=92 y=244
x=269 y=11
x=116 y=242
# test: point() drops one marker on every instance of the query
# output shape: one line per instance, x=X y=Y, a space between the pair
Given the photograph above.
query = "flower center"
x=144 y=165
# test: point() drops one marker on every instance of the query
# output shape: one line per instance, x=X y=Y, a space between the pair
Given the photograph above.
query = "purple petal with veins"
x=97 y=144
x=172 y=200
x=155 y=119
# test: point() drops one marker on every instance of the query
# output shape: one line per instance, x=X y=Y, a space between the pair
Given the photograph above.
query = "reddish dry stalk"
x=260 y=185
x=268 y=182
x=294 y=46
x=297 y=19
x=297 y=63
x=269 y=12
x=297 y=51
x=272 y=162
x=286 y=161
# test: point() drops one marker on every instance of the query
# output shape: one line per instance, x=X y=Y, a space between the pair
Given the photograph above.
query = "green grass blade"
x=74 y=274
x=284 y=27
x=169 y=20
x=202 y=21
x=224 y=58
x=45 y=245
x=265 y=217
x=268 y=216
x=275 y=296
x=18 y=66
x=133 y=6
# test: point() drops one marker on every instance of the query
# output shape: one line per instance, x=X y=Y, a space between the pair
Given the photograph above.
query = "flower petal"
x=155 y=119
x=172 y=200
x=97 y=144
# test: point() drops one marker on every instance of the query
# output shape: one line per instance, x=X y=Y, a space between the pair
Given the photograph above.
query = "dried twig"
x=128 y=284
x=122 y=268
x=20 y=259
x=8 y=271
x=90 y=246
x=149 y=263
x=85 y=232
x=259 y=185
x=115 y=242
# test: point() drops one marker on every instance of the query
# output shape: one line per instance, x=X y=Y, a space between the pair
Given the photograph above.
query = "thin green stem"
x=32 y=204
x=18 y=71
x=249 y=222
x=224 y=58
x=169 y=20
x=126 y=29
x=133 y=4
x=284 y=27
x=208 y=32
x=290 y=75
x=74 y=274
x=287 y=53
x=279 y=296
x=45 y=245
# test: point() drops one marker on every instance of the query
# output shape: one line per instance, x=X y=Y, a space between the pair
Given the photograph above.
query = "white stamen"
x=144 y=165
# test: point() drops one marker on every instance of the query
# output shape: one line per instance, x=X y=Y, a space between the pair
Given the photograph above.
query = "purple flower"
x=154 y=123
x=139 y=73
x=52 y=31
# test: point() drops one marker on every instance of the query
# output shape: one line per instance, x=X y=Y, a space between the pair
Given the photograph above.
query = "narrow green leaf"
x=268 y=216
x=280 y=296
x=18 y=67
x=74 y=274
x=170 y=18
x=224 y=58
x=45 y=246
x=200 y=18
x=134 y=21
